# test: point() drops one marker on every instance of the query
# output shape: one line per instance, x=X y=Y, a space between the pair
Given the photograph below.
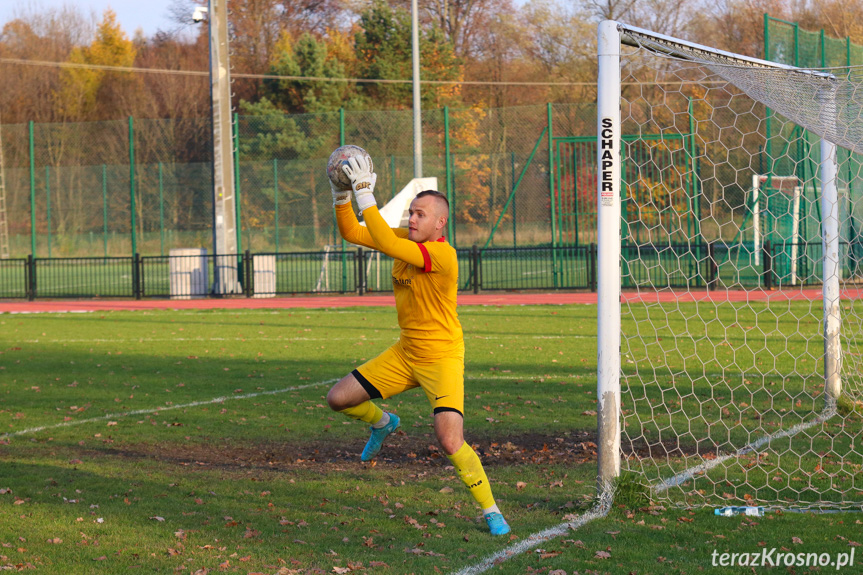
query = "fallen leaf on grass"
x=796 y=540
x=417 y=551
x=157 y=518
x=341 y=570
x=602 y=555
x=411 y=521
x=55 y=540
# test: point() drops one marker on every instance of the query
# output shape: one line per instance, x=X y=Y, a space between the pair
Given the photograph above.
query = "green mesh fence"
x=71 y=187
x=794 y=225
x=786 y=43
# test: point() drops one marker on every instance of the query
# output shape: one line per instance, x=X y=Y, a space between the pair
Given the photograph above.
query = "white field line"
x=602 y=509
x=161 y=409
x=203 y=339
x=275 y=338
x=26 y=312
x=208 y=402
x=690 y=473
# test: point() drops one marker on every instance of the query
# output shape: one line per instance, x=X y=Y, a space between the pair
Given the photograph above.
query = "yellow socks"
x=469 y=469
x=366 y=411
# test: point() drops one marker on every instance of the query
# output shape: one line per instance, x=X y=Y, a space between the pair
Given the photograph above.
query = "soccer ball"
x=339 y=158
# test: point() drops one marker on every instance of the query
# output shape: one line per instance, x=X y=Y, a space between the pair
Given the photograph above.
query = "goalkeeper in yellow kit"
x=430 y=350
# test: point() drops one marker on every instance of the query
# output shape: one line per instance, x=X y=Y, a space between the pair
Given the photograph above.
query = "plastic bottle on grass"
x=743 y=510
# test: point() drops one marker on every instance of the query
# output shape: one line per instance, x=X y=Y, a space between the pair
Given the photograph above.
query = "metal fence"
x=131 y=186
x=359 y=271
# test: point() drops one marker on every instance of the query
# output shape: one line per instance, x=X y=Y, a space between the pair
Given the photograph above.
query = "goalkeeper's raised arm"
x=349 y=226
x=428 y=217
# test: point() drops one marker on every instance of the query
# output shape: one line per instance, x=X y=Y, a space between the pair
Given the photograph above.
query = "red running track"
x=486 y=299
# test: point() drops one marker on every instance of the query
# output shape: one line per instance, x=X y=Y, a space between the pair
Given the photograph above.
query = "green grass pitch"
x=200 y=442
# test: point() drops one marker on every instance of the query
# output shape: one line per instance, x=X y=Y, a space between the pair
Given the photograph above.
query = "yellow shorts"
x=392 y=372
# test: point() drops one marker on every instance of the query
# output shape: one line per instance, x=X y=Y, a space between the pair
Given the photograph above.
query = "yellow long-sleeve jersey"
x=425 y=284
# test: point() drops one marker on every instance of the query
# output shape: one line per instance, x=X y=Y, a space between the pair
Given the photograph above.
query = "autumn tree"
x=838 y=19
x=97 y=93
x=462 y=20
x=29 y=91
x=175 y=93
x=383 y=47
x=736 y=25
x=308 y=57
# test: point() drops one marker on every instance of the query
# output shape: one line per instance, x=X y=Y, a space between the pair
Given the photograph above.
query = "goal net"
x=729 y=359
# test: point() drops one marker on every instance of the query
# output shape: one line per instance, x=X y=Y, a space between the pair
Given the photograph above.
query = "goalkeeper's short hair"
x=435 y=194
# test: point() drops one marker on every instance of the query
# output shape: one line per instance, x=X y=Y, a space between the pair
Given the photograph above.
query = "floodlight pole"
x=608 y=255
x=224 y=208
x=418 y=131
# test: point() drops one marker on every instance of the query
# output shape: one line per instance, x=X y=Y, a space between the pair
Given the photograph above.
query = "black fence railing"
x=699 y=266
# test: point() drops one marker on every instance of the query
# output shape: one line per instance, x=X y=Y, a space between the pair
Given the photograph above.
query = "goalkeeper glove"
x=340 y=196
x=362 y=181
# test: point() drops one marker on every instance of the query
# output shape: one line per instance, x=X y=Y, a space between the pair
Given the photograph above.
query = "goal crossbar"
x=636 y=37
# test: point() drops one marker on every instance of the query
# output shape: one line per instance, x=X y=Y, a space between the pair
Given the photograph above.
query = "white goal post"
x=759 y=183
x=713 y=395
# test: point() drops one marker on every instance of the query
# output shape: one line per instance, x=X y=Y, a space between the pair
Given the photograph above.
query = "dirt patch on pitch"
x=400 y=449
